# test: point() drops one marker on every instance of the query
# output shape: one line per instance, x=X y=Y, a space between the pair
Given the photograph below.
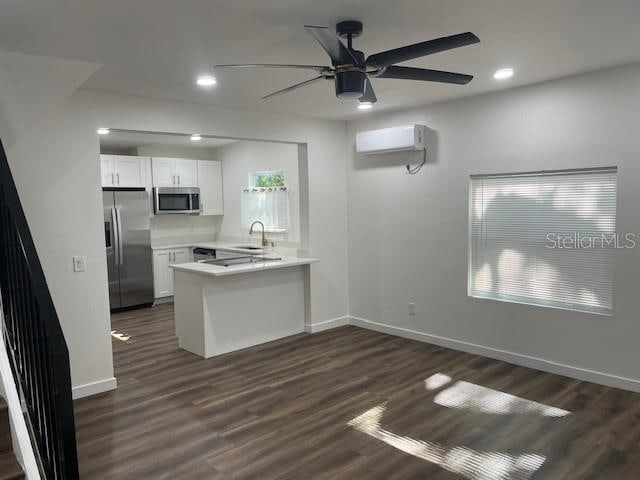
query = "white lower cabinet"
x=162 y=271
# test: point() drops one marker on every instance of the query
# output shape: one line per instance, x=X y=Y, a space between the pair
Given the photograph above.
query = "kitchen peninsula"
x=233 y=304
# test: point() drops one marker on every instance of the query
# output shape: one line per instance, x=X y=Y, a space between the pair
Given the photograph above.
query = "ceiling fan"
x=351 y=71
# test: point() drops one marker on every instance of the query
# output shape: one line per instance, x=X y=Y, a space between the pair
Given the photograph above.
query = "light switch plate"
x=412 y=309
x=79 y=263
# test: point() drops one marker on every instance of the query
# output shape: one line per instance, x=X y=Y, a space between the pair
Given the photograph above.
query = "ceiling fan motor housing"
x=350 y=81
x=350 y=84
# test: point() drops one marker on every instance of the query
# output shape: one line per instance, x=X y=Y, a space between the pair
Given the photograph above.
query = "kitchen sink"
x=247 y=247
x=226 y=262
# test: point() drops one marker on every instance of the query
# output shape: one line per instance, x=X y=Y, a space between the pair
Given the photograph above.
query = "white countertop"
x=221 y=271
x=213 y=245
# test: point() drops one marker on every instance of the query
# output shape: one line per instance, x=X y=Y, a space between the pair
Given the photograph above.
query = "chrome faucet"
x=264 y=239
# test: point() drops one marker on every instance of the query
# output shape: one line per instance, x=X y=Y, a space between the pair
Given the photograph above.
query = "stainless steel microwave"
x=172 y=200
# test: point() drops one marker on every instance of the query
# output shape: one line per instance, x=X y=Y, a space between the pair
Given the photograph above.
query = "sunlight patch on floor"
x=120 y=336
x=461 y=460
x=476 y=398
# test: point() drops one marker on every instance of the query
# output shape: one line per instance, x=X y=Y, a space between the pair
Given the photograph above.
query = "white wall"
x=166 y=229
x=408 y=234
x=57 y=173
x=240 y=158
x=176 y=151
x=31 y=86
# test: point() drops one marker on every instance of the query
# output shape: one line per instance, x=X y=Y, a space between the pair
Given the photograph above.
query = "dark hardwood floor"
x=345 y=404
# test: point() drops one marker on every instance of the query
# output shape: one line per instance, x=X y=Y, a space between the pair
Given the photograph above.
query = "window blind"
x=544 y=238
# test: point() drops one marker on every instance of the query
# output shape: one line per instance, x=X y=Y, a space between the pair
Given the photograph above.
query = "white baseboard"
x=162 y=300
x=94 y=388
x=506 y=356
x=327 y=324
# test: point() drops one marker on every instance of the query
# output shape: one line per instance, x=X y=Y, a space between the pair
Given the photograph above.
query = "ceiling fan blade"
x=293 y=87
x=410 y=73
x=402 y=54
x=317 y=68
x=369 y=95
x=329 y=40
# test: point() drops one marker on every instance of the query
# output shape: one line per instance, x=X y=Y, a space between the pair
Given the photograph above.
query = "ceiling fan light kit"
x=351 y=71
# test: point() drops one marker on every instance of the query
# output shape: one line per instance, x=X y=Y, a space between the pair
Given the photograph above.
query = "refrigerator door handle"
x=120 y=249
x=116 y=236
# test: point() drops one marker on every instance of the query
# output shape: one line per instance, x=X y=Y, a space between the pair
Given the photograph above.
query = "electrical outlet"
x=412 y=308
x=79 y=263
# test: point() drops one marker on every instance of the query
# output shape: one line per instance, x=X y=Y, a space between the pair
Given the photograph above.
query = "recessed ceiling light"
x=103 y=131
x=503 y=73
x=365 y=106
x=196 y=137
x=206 y=80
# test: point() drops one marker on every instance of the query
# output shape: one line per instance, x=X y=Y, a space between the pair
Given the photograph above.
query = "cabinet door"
x=163 y=172
x=186 y=172
x=130 y=171
x=162 y=274
x=106 y=170
x=182 y=255
x=210 y=183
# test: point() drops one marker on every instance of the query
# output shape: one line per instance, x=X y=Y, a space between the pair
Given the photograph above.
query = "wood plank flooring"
x=349 y=404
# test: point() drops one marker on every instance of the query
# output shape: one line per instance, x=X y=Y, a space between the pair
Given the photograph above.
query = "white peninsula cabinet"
x=162 y=271
x=210 y=183
x=174 y=172
x=123 y=171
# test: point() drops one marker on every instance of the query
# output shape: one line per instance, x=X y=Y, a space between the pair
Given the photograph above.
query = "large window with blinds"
x=545 y=238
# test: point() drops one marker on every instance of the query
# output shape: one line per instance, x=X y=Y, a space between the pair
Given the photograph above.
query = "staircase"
x=9 y=467
x=38 y=358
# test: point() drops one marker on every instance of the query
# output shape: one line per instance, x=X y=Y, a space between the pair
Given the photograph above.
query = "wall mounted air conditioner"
x=394 y=139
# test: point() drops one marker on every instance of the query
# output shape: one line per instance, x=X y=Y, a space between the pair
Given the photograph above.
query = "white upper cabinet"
x=174 y=172
x=131 y=171
x=163 y=172
x=106 y=170
x=187 y=172
x=210 y=183
x=123 y=171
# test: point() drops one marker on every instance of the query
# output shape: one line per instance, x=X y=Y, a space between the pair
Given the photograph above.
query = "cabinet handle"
x=178 y=179
x=113 y=181
x=118 y=177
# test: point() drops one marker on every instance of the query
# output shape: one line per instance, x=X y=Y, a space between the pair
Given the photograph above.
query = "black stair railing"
x=34 y=339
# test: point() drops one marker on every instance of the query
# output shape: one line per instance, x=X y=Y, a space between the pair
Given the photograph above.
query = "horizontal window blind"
x=544 y=238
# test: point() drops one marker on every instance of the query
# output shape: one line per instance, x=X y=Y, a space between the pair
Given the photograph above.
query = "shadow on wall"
x=513 y=244
x=400 y=159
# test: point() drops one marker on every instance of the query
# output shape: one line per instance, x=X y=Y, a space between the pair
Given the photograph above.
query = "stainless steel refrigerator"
x=127 y=231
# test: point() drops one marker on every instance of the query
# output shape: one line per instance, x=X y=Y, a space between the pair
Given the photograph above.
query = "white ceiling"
x=122 y=140
x=157 y=47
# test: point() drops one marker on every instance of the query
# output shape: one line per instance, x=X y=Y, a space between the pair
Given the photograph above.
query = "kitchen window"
x=545 y=238
x=269 y=178
x=267 y=200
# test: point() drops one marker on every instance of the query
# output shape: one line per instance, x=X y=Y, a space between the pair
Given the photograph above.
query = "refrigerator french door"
x=129 y=257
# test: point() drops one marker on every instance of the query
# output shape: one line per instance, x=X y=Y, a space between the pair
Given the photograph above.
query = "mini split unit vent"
x=395 y=139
